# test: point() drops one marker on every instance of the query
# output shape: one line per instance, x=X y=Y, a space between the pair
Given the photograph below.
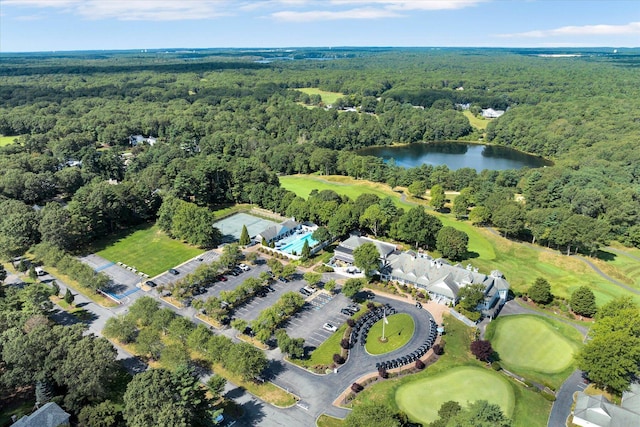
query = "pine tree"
x=540 y=291
x=68 y=297
x=55 y=291
x=244 y=236
x=306 y=250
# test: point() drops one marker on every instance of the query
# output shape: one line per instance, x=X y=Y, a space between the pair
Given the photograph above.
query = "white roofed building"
x=441 y=280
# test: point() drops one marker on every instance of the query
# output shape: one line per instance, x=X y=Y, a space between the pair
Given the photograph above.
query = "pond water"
x=456 y=155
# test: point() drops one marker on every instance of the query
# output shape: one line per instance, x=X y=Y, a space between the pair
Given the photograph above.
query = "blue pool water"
x=297 y=242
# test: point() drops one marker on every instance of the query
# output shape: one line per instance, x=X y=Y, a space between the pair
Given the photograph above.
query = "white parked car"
x=329 y=327
x=244 y=267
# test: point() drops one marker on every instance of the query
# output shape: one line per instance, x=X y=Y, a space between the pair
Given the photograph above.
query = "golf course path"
x=579 y=257
x=621 y=252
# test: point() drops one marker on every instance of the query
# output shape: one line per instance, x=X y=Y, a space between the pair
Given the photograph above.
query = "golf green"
x=397 y=332
x=531 y=342
x=421 y=399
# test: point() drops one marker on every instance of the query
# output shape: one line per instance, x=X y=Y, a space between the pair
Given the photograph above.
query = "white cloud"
x=129 y=10
x=632 y=28
x=369 y=9
x=327 y=15
x=415 y=4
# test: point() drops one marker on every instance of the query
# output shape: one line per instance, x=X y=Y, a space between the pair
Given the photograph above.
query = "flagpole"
x=384 y=321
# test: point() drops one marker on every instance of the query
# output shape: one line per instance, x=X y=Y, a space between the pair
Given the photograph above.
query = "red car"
x=222 y=278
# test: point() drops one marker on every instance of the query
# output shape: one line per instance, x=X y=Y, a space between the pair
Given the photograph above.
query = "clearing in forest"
x=147 y=248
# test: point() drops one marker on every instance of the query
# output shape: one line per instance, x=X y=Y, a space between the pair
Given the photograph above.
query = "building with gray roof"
x=441 y=280
x=597 y=411
x=48 y=415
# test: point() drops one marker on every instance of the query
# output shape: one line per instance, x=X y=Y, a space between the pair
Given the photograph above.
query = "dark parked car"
x=283 y=279
x=305 y=292
x=270 y=289
x=346 y=312
x=150 y=283
x=174 y=271
x=221 y=278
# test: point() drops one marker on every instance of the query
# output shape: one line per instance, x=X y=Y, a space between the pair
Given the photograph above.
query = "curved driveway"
x=317 y=392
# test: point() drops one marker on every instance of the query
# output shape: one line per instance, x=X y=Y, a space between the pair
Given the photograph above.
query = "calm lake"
x=456 y=155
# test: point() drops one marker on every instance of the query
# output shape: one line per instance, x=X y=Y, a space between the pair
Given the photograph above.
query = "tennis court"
x=231 y=227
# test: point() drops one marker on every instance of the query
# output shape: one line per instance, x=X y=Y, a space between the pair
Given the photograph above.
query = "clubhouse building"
x=438 y=278
x=442 y=281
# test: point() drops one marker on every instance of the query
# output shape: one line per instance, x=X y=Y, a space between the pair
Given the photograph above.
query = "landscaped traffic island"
x=421 y=399
x=397 y=332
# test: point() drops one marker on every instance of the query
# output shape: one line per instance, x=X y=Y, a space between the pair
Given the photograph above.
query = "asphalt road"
x=317 y=392
x=561 y=408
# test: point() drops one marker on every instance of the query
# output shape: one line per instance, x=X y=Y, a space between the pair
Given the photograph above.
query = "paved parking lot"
x=186 y=268
x=232 y=281
x=252 y=309
x=321 y=308
x=124 y=280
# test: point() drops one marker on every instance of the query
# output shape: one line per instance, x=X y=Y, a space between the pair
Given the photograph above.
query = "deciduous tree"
x=452 y=243
x=367 y=258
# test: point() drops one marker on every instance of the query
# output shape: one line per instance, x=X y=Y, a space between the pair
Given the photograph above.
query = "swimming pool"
x=295 y=243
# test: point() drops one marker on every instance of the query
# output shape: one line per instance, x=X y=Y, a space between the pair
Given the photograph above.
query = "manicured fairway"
x=148 y=249
x=398 y=332
x=303 y=184
x=488 y=251
x=532 y=343
x=421 y=399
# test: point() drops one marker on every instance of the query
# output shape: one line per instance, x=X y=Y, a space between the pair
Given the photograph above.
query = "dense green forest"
x=228 y=122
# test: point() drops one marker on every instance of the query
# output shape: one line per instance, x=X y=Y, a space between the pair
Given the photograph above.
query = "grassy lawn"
x=477 y=122
x=535 y=347
x=6 y=140
x=327 y=97
x=328 y=421
x=397 y=333
x=463 y=384
x=520 y=263
x=529 y=409
x=147 y=248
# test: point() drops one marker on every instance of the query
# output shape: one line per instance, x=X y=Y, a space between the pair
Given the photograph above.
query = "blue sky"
x=46 y=25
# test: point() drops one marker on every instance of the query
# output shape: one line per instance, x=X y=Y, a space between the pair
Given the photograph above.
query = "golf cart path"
x=579 y=257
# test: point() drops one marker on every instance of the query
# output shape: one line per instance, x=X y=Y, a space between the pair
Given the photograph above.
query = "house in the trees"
x=597 y=411
x=343 y=253
x=48 y=415
x=279 y=231
x=490 y=113
x=139 y=139
x=442 y=281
